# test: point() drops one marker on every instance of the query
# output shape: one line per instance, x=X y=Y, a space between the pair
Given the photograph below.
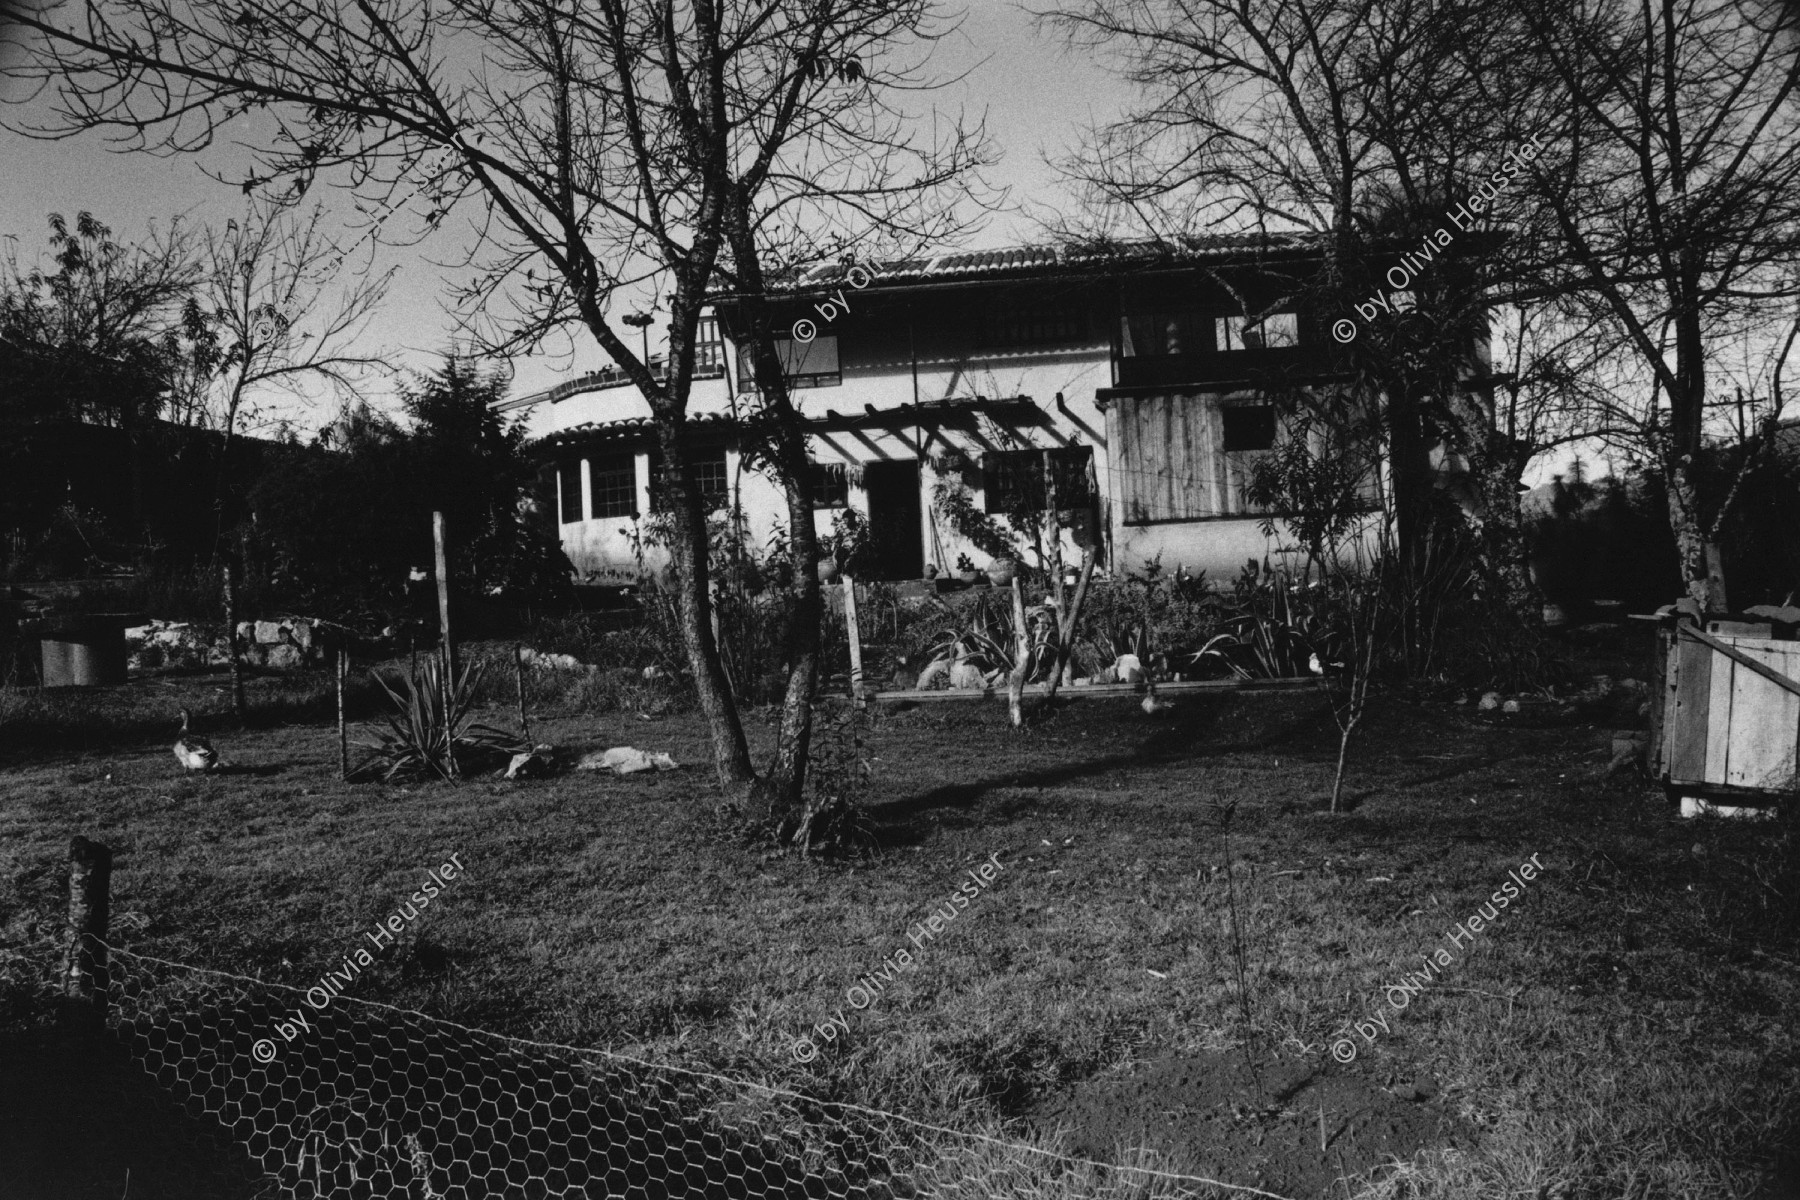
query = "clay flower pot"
x=828 y=570
x=1002 y=571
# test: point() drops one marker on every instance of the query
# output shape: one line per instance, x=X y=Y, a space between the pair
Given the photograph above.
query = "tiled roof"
x=609 y=376
x=626 y=428
x=1096 y=258
x=925 y=412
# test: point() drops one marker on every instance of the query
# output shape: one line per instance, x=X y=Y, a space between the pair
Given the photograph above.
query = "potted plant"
x=1002 y=571
x=965 y=569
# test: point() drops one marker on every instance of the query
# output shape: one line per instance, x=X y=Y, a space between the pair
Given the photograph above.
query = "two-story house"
x=1136 y=377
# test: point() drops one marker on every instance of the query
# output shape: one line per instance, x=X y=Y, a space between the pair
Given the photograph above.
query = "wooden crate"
x=1729 y=713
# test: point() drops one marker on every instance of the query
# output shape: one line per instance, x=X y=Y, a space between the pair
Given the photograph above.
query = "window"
x=1265 y=333
x=1167 y=332
x=709 y=474
x=613 y=478
x=1247 y=427
x=709 y=349
x=1013 y=480
x=1184 y=458
x=808 y=364
x=1023 y=325
x=568 y=491
x=830 y=485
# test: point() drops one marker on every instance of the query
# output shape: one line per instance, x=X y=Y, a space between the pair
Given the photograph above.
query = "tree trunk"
x=786 y=443
x=1065 y=642
x=1410 y=471
x=1699 y=557
x=1500 y=470
x=787 y=773
x=687 y=549
x=1015 y=682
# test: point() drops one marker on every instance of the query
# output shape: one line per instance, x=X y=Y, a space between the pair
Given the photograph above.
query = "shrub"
x=430 y=732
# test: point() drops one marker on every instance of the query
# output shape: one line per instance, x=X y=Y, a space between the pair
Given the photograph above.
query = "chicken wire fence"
x=354 y=1099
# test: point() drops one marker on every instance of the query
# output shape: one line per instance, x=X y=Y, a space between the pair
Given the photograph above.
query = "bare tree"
x=593 y=147
x=275 y=313
x=1350 y=120
x=1674 y=208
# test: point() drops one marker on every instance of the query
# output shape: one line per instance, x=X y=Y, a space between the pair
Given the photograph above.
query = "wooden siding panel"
x=1764 y=718
x=1719 y=694
x=1686 y=733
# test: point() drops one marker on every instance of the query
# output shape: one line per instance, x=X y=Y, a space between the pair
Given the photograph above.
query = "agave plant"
x=984 y=637
x=430 y=732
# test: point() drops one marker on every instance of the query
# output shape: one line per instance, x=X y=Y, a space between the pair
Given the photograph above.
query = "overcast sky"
x=1035 y=94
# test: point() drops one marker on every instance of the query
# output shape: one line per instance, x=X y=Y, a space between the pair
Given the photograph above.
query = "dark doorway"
x=896 y=547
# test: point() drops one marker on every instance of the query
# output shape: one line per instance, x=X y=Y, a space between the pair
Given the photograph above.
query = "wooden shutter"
x=1165 y=459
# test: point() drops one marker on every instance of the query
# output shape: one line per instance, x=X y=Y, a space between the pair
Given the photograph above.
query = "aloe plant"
x=983 y=636
x=430 y=732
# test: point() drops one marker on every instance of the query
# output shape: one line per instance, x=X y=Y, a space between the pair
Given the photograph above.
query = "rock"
x=1598 y=689
x=902 y=680
x=532 y=764
x=936 y=670
x=1106 y=675
x=626 y=760
x=268 y=633
x=303 y=635
x=1628 y=746
x=246 y=631
x=1489 y=702
x=1511 y=706
x=1128 y=669
x=967 y=675
x=559 y=662
x=285 y=657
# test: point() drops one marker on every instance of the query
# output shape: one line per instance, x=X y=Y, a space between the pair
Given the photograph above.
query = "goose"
x=192 y=750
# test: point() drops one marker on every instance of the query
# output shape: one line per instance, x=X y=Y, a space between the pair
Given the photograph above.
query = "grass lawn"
x=1623 y=1028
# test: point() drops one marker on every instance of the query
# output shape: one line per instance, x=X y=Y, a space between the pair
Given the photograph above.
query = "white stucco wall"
x=602 y=549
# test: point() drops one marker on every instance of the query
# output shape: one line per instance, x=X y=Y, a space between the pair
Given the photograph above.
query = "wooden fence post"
x=447 y=648
x=343 y=672
x=855 y=632
x=84 y=965
x=519 y=669
x=238 y=702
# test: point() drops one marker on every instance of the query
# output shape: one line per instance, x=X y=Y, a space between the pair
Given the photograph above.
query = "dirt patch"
x=1211 y=1115
x=81 y=1121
